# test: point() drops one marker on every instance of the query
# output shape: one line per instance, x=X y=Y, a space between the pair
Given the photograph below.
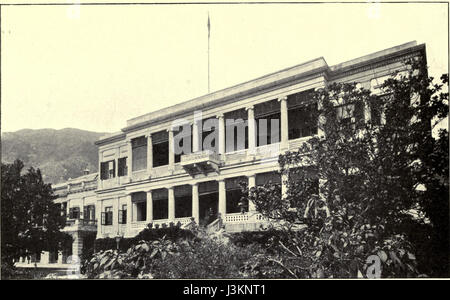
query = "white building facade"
x=144 y=179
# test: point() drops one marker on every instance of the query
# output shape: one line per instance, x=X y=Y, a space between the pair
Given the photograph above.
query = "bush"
x=172 y=233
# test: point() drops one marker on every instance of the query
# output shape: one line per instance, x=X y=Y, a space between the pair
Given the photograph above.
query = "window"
x=349 y=114
x=267 y=116
x=302 y=115
x=107 y=169
x=160 y=141
x=234 y=195
x=107 y=216
x=210 y=134
x=182 y=141
x=236 y=130
x=122 y=167
x=123 y=214
x=160 y=204
x=139 y=153
x=74 y=212
x=183 y=201
x=140 y=203
x=89 y=212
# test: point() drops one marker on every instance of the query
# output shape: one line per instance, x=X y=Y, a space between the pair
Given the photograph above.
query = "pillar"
x=171 y=148
x=196 y=146
x=149 y=207
x=251 y=129
x=98 y=212
x=130 y=158
x=116 y=207
x=195 y=203
x=171 y=203
x=100 y=183
x=149 y=153
x=77 y=244
x=129 y=212
x=221 y=134
x=45 y=257
x=284 y=143
x=251 y=184
x=222 y=199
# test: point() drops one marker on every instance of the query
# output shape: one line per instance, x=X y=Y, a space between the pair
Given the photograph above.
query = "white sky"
x=98 y=67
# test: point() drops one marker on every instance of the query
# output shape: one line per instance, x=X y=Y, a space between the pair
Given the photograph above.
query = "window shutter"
x=103 y=218
x=114 y=168
x=86 y=213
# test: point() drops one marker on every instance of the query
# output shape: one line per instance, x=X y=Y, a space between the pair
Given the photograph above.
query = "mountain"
x=60 y=154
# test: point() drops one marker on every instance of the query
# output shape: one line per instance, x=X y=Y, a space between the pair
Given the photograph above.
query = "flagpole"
x=209 y=29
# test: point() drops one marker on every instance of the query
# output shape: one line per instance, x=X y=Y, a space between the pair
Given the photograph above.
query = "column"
x=251 y=129
x=195 y=137
x=251 y=184
x=100 y=156
x=130 y=159
x=77 y=244
x=321 y=118
x=116 y=206
x=221 y=134
x=171 y=203
x=149 y=207
x=149 y=154
x=129 y=213
x=171 y=148
x=222 y=199
x=284 y=143
x=98 y=213
x=195 y=203
x=116 y=165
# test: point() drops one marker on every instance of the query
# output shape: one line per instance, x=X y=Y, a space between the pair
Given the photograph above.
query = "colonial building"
x=145 y=179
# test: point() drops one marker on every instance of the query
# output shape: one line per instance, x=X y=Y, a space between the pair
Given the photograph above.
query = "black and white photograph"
x=249 y=141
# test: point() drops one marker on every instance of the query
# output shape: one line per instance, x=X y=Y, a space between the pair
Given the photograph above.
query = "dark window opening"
x=74 y=212
x=107 y=169
x=122 y=167
x=212 y=128
x=236 y=123
x=182 y=140
x=183 y=201
x=89 y=212
x=160 y=204
x=123 y=214
x=139 y=150
x=302 y=121
x=107 y=216
x=234 y=195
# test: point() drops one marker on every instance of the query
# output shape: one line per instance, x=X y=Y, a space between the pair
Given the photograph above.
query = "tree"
x=362 y=191
x=31 y=221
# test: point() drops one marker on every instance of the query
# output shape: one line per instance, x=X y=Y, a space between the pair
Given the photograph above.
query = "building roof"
x=313 y=67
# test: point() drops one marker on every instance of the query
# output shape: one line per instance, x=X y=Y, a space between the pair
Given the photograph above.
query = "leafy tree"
x=31 y=221
x=371 y=183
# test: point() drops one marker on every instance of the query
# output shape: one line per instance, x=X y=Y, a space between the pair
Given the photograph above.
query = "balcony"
x=74 y=225
x=201 y=162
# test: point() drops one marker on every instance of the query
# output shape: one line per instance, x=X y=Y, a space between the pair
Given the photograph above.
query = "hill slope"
x=60 y=154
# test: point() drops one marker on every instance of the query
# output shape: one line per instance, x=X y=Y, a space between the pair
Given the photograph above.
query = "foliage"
x=205 y=256
x=355 y=190
x=150 y=233
x=31 y=222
